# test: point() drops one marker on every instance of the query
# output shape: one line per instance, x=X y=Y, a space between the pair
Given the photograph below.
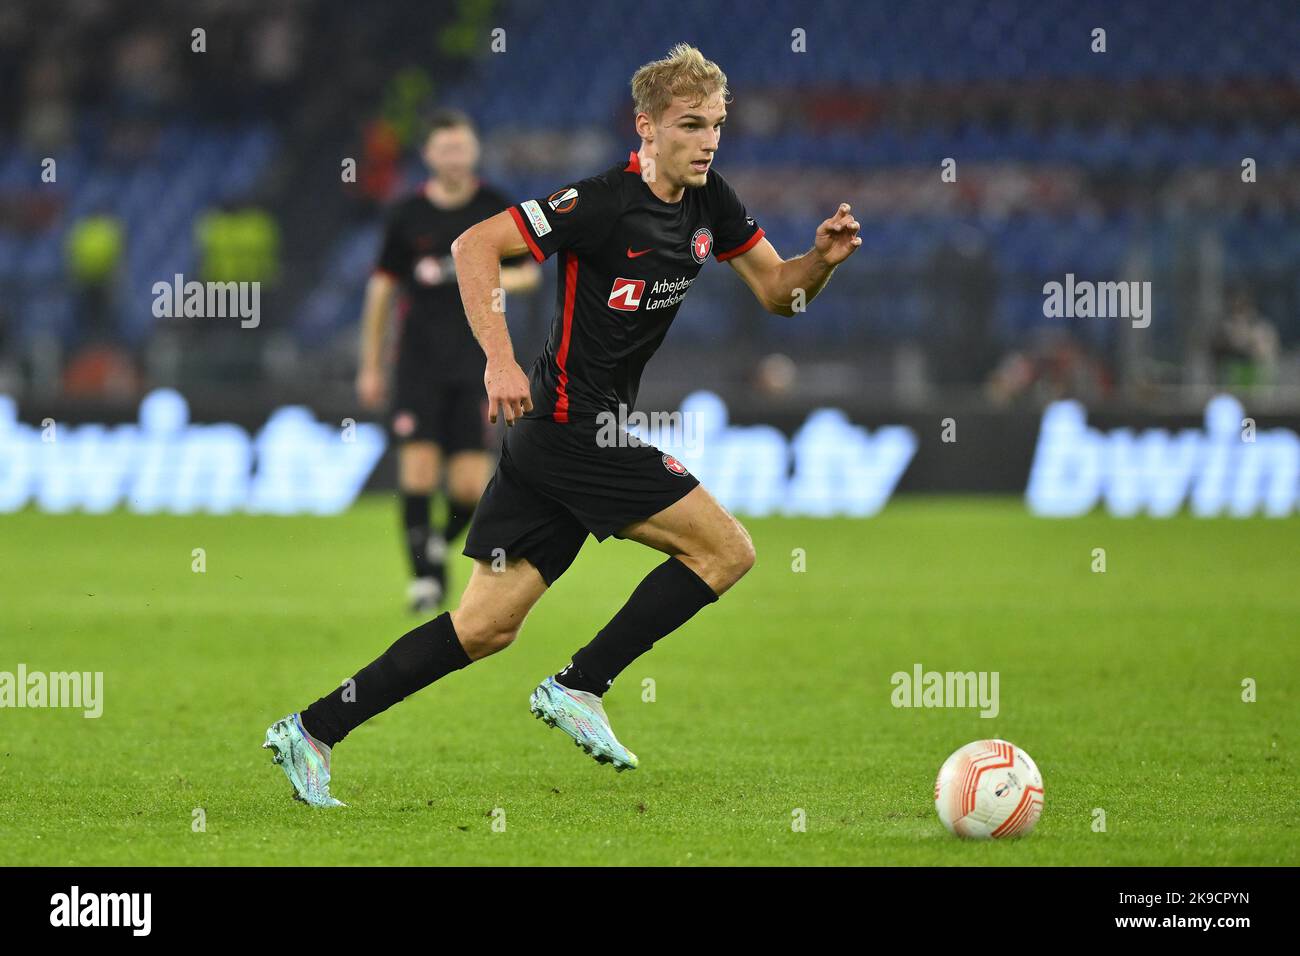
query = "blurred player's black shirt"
x=435 y=332
x=627 y=259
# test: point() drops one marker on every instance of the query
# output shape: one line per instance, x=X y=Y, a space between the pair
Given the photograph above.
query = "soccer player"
x=437 y=411
x=630 y=241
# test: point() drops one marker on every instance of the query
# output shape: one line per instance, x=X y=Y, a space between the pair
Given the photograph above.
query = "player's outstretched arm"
x=478 y=252
x=778 y=283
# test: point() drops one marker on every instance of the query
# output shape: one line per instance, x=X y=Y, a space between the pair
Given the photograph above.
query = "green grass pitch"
x=1125 y=686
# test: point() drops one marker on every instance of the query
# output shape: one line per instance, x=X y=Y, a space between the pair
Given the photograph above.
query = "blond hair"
x=683 y=72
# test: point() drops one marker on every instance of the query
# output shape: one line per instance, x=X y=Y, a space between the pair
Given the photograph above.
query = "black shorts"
x=452 y=415
x=555 y=485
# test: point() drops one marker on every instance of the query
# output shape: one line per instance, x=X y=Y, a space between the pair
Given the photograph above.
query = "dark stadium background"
x=1118 y=165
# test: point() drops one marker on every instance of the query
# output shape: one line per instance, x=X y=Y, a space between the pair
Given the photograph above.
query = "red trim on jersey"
x=523 y=231
x=633 y=164
x=561 y=413
x=741 y=249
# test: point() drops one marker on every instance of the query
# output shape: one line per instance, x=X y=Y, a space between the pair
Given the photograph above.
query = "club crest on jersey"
x=427 y=271
x=701 y=244
x=563 y=201
x=626 y=294
x=674 y=466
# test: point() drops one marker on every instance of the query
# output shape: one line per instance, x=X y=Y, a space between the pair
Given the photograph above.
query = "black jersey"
x=416 y=252
x=627 y=259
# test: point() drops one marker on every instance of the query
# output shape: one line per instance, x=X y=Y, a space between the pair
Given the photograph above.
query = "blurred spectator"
x=774 y=375
x=238 y=244
x=10 y=374
x=1056 y=367
x=99 y=371
x=380 y=172
x=144 y=74
x=93 y=252
x=235 y=243
x=277 y=51
x=962 y=280
x=48 y=119
x=1245 y=345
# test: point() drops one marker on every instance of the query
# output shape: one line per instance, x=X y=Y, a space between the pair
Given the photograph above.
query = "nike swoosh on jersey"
x=633 y=255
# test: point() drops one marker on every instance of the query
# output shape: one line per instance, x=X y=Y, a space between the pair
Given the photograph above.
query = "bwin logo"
x=1157 y=471
x=103 y=909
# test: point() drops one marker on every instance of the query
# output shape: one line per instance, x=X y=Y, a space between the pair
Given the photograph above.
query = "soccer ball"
x=987 y=790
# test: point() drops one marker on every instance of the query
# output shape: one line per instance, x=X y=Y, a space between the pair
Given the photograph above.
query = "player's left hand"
x=837 y=237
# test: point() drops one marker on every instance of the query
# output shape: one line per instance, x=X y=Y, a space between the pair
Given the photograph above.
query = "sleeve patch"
x=536 y=218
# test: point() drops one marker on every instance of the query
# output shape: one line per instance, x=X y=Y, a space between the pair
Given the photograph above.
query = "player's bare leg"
x=494 y=605
x=418 y=467
x=467 y=475
x=701 y=534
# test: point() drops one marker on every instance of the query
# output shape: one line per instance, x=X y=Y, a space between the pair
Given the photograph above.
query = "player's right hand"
x=370 y=388
x=507 y=386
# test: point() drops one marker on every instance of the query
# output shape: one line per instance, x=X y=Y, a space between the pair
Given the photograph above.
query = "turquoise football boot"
x=305 y=762
x=582 y=717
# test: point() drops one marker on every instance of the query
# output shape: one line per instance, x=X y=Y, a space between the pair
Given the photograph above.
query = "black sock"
x=669 y=596
x=573 y=678
x=416 y=660
x=458 y=515
x=415 y=519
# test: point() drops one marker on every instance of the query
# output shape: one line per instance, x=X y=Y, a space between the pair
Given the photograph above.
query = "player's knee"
x=498 y=639
x=418 y=480
x=417 y=467
x=729 y=561
x=740 y=556
x=482 y=638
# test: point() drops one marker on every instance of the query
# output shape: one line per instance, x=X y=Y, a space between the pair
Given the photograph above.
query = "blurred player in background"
x=437 y=408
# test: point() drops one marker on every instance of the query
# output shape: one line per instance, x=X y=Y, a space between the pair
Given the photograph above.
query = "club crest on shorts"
x=701 y=244
x=674 y=466
x=404 y=424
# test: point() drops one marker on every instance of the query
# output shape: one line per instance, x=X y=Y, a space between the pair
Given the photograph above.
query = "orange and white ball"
x=988 y=790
